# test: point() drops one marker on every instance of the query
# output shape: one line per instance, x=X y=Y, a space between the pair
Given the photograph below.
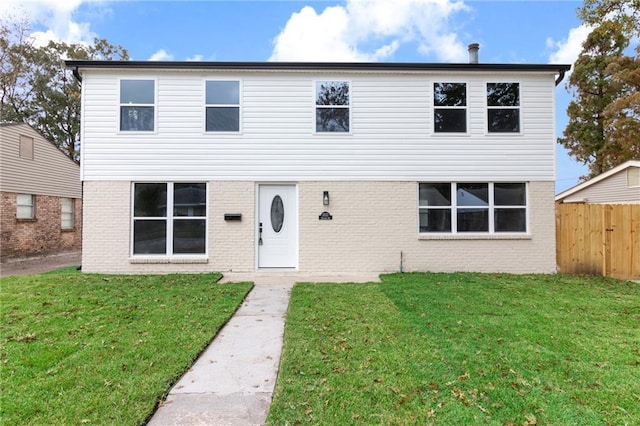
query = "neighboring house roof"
x=573 y=192
x=44 y=170
x=13 y=123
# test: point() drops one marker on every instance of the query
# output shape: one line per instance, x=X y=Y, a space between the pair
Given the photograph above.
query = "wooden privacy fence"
x=602 y=239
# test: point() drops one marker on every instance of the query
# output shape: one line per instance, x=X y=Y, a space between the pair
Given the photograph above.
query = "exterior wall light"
x=325 y=198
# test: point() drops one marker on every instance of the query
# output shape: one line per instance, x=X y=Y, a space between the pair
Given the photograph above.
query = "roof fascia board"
x=315 y=66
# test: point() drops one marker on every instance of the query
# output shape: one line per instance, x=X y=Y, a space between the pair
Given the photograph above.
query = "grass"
x=462 y=349
x=102 y=349
x=65 y=270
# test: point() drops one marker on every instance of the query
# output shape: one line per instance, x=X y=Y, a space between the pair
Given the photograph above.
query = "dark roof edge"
x=306 y=66
x=12 y=123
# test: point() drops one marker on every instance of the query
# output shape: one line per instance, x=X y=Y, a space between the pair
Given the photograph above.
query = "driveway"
x=39 y=264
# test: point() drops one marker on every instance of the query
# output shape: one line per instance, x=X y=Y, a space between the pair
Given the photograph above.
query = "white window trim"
x=432 y=124
x=32 y=206
x=491 y=234
x=169 y=256
x=315 y=106
x=155 y=107
x=72 y=212
x=487 y=108
x=240 y=106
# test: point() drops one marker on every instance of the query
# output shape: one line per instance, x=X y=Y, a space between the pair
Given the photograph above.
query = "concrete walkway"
x=233 y=380
x=41 y=263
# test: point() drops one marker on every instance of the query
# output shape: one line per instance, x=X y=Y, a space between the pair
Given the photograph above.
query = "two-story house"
x=317 y=167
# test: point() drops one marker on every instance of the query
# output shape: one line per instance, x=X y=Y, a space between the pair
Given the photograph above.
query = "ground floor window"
x=67 y=213
x=472 y=207
x=169 y=218
x=25 y=206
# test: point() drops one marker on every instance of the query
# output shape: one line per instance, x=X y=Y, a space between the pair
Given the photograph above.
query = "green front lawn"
x=102 y=349
x=462 y=349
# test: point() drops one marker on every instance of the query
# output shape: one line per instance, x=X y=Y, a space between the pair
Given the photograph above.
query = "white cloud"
x=567 y=50
x=309 y=36
x=161 y=55
x=56 y=16
x=370 y=30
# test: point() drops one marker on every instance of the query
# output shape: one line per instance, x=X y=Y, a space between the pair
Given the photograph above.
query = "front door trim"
x=288 y=259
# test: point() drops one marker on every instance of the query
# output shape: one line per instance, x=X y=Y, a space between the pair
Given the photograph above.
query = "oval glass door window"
x=277 y=214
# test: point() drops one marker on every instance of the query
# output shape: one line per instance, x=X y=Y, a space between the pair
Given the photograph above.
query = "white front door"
x=277 y=226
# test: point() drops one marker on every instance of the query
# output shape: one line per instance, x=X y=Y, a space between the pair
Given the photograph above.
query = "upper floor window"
x=67 y=213
x=472 y=207
x=503 y=107
x=137 y=105
x=25 y=206
x=450 y=107
x=26 y=147
x=222 y=106
x=332 y=106
x=169 y=218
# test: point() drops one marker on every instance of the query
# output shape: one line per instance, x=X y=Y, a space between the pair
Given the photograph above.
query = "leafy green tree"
x=15 y=46
x=593 y=90
x=603 y=125
x=38 y=89
x=624 y=113
x=626 y=13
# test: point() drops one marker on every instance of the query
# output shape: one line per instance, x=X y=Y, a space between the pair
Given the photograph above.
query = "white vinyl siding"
x=391 y=131
x=613 y=189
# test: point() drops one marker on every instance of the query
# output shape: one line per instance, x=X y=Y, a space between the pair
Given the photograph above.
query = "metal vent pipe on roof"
x=473 y=53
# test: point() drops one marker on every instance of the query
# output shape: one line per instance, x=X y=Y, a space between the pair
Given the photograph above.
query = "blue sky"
x=330 y=30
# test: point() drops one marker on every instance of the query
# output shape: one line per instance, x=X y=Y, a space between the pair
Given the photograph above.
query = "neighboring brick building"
x=40 y=195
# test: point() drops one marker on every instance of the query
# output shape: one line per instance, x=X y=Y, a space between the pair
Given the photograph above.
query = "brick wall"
x=231 y=243
x=372 y=223
x=42 y=235
x=107 y=226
